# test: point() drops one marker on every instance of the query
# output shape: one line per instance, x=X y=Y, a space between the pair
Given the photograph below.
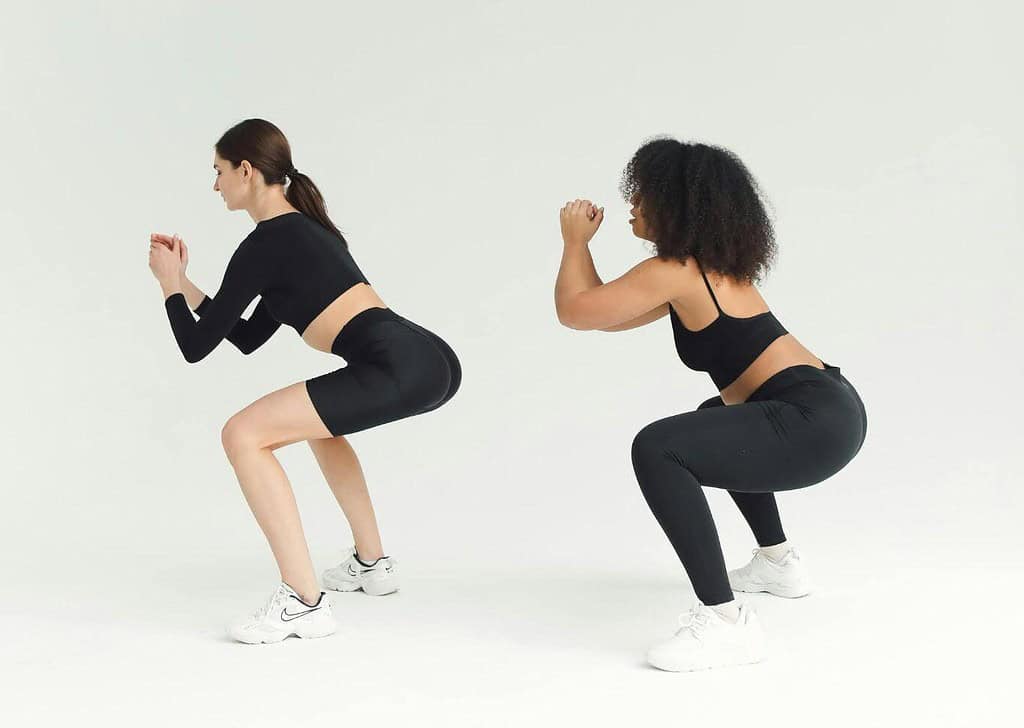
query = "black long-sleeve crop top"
x=296 y=266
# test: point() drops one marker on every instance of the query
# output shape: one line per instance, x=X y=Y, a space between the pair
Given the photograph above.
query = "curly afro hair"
x=701 y=201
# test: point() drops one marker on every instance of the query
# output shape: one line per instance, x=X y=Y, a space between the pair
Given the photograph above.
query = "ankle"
x=728 y=611
x=369 y=555
x=777 y=552
x=308 y=597
x=367 y=562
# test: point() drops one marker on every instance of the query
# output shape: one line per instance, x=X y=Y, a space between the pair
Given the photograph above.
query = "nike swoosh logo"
x=288 y=617
x=352 y=572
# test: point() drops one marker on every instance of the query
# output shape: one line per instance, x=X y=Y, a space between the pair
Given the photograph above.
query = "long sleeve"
x=248 y=272
x=250 y=334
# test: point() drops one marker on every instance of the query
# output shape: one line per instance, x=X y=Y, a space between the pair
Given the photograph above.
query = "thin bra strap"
x=706 y=283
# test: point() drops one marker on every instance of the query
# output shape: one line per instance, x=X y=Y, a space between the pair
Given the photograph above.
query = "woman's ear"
x=246 y=169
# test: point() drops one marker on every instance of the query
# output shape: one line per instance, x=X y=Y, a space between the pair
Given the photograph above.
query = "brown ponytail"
x=267 y=149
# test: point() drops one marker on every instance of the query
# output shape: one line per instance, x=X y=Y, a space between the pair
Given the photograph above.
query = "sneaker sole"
x=736 y=659
x=779 y=590
x=376 y=588
x=266 y=639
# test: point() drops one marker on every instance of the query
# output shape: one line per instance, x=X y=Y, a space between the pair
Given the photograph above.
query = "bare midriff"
x=781 y=354
x=323 y=330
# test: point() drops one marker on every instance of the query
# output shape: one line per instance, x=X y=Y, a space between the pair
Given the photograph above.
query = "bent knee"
x=237 y=436
x=648 y=445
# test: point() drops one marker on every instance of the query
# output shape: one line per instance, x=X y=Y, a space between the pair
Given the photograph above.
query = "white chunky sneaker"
x=786 y=577
x=706 y=640
x=283 y=615
x=378 y=578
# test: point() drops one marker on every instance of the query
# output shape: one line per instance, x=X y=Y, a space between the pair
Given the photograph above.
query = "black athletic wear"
x=293 y=263
x=801 y=426
x=396 y=368
x=798 y=428
x=728 y=345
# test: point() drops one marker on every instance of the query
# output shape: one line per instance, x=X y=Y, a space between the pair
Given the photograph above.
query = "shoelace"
x=693 y=621
x=786 y=557
x=746 y=568
x=270 y=604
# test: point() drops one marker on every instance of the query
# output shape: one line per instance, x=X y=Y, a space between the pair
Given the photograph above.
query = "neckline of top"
x=278 y=217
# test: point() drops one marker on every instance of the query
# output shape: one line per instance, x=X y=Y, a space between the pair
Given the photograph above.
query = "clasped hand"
x=168 y=257
x=580 y=219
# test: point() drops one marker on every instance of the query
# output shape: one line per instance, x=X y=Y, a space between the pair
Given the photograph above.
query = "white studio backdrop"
x=886 y=137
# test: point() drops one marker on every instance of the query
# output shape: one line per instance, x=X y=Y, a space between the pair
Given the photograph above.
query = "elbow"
x=574 y=322
x=566 y=321
x=567 y=318
x=247 y=346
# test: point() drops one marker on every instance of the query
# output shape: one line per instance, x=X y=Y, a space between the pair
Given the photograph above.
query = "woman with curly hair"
x=298 y=263
x=783 y=419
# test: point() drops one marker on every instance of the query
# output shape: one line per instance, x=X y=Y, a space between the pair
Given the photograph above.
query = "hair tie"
x=292 y=172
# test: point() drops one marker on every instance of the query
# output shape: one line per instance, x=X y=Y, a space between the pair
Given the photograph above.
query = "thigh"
x=274 y=420
x=356 y=397
x=762 y=446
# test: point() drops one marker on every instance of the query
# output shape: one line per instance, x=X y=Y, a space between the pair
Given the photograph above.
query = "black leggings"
x=797 y=429
x=396 y=369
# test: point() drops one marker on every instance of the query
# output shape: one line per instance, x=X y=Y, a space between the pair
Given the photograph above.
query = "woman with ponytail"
x=298 y=263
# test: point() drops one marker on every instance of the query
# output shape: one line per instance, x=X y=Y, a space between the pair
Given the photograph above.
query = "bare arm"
x=638 y=296
x=575 y=275
x=583 y=302
x=653 y=315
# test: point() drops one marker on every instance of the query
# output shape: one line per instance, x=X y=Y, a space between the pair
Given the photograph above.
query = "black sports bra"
x=296 y=266
x=728 y=345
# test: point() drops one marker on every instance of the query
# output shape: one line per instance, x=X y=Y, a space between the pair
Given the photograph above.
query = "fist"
x=168 y=240
x=165 y=261
x=580 y=219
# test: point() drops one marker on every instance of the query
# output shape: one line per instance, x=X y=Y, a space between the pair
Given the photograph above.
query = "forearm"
x=169 y=288
x=193 y=295
x=575 y=275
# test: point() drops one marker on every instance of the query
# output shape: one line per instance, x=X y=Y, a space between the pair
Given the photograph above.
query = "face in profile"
x=230 y=181
x=637 y=221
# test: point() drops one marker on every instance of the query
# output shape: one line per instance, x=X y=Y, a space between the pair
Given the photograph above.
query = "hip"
x=385 y=338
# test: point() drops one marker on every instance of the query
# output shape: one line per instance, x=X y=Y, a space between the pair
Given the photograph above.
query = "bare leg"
x=250 y=437
x=344 y=475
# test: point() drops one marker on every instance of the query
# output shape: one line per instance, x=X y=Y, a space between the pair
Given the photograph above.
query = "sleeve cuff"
x=202 y=305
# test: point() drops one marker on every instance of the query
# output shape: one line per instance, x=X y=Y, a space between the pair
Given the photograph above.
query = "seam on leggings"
x=440 y=352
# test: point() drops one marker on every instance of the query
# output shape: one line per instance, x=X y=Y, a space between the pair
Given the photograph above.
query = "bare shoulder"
x=676 y=277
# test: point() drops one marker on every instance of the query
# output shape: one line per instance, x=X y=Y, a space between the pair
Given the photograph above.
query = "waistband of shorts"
x=794 y=375
x=353 y=335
